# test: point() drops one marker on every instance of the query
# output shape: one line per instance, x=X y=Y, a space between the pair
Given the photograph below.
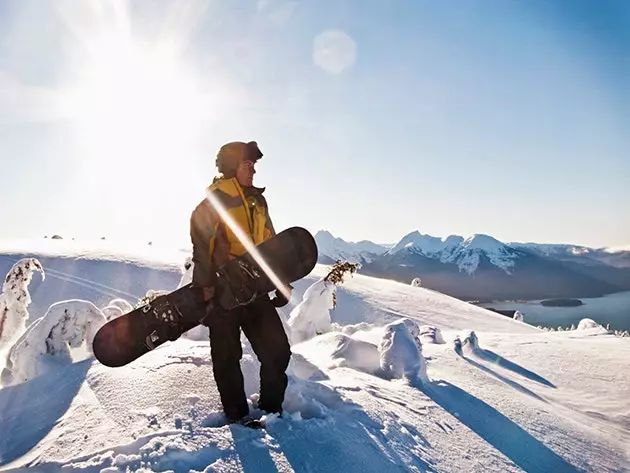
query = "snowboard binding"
x=241 y=286
x=168 y=322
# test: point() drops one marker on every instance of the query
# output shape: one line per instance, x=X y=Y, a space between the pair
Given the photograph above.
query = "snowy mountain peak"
x=425 y=244
x=338 y=249
x=479 y=241
x=465 y=253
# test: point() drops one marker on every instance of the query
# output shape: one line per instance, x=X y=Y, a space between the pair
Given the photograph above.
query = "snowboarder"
x=214 y=243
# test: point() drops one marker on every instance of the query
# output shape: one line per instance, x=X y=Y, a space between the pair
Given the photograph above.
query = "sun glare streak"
x=248 y=244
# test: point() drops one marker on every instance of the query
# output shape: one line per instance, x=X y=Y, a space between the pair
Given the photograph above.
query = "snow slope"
x=98 y=271
x=378 y=392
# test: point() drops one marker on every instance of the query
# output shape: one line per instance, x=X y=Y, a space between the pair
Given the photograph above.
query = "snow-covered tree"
x=518 y=316
x=311 y=317
x=417 y=282
x=401 y=352
x=15 y=298
x=47 y=341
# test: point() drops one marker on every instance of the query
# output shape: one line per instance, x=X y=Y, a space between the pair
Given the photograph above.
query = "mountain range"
x=482 y=268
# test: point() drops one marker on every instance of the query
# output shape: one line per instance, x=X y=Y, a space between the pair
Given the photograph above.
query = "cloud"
x=334 y=51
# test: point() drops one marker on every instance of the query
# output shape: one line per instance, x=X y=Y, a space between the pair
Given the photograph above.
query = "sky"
x=376 y=118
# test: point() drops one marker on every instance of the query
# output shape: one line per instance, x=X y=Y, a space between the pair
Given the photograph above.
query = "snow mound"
x=356 y=354
x=46 y=342
x=587 y=324
x=352 y=328
x=15 y=298
x=431 y=334
x=311 y=316
x=401 y=352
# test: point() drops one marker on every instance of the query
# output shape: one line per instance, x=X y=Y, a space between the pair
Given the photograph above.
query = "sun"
x=134 y=101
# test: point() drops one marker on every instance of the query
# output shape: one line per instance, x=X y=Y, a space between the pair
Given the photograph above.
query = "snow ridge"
x=339 y=249
x=465 y=253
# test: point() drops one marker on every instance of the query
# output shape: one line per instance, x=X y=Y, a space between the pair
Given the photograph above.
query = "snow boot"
x=250 y=422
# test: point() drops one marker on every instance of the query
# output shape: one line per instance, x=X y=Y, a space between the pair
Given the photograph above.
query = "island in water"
x=561 y=303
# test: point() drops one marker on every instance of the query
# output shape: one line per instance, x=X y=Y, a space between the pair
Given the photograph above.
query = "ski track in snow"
x=510 y=398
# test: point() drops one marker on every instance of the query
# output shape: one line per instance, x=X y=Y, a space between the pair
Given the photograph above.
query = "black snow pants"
x=263 y=328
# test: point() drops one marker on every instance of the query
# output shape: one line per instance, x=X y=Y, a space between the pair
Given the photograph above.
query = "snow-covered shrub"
x=518 y=316
x=15 y=298
x=47 y=341
x=401 y=352
x=311 y=317
x=417 y=282
x=431 y=334
x=338 y=273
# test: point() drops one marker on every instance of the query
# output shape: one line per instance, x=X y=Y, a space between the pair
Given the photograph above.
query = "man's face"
x=245 y=173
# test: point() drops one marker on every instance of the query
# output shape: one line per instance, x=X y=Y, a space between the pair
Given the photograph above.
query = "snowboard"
x=289 y=256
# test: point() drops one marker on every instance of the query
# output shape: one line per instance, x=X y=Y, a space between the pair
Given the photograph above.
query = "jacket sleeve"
x=203 y=228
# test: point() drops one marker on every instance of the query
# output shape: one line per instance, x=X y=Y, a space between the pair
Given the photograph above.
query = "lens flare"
x=248 y=244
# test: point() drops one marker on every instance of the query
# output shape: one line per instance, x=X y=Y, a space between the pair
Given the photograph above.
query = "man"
x=215 y=243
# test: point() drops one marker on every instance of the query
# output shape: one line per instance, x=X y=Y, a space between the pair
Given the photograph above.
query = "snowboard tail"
x=290 y=255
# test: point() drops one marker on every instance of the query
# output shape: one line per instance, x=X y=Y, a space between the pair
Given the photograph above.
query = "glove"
x=279 y=299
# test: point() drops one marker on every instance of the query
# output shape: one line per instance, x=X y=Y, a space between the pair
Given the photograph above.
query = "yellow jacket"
x=213 y=237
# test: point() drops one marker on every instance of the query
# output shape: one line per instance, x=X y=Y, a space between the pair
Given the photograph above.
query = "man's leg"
x=226 y=351
x=263 y=328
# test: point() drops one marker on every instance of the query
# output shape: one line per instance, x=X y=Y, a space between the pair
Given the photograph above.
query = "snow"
x=400 y=378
